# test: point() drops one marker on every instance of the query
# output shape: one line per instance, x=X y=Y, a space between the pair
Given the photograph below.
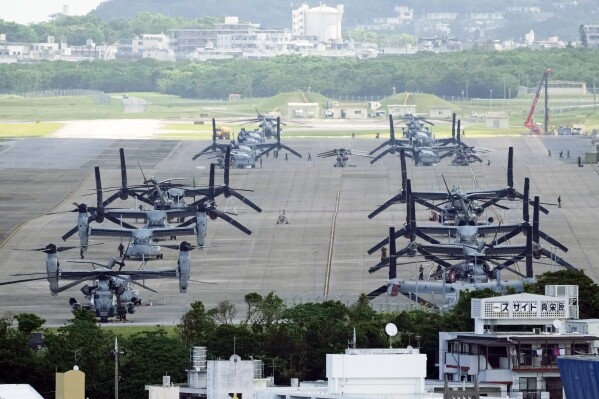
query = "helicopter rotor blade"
x=70 y=233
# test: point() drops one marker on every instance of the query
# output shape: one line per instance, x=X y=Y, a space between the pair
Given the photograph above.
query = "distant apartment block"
x=403 y=16
x=591 y=33
x=322 y=21
x=441 y=16
x=524 y=9
x=189 y=39
x=486 y=16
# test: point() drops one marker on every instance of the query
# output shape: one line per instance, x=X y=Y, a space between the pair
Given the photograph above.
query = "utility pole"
x=116 y=368
x=594 y=95
x=546 y=105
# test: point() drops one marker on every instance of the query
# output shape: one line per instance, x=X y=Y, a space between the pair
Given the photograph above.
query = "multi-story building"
x=525 y=358
x=322 y=21
x=155 y=46
x=591 y=33
x=403 y=16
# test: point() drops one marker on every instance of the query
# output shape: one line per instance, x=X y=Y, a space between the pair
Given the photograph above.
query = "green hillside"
x=278 y=103
x=422 y=101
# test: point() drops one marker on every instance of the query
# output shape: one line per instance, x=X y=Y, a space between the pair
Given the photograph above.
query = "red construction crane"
x=534 y=129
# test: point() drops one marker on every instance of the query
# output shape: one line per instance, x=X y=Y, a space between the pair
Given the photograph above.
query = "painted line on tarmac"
x=331 y=244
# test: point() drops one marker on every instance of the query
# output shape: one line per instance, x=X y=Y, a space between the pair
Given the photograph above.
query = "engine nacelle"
x=201 y=227
x=130 y=296
x=124 y=195
x=87 y=290
x=52 y=271
x=131 y=309
x=83 y=229
x=184 y=271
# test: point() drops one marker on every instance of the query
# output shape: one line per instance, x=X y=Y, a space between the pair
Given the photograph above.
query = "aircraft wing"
x=110 y=232
x=436 y=229
x=172 y=213
x=500 y=228
x=444 y=249
x=505 y=250
x=431 y=195
x=485 y=194
x=127 y=213
x=172 y=231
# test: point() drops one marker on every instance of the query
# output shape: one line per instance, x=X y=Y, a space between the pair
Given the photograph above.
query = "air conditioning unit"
x=536 y=331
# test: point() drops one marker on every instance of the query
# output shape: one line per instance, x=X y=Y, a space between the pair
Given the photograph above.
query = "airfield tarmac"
x=322 y=251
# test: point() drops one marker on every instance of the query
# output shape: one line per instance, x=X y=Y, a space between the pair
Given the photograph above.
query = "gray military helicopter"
x=419 y=145
x=112 y=293
x=342 y=156
x=458 y=207
x=156 y=226
x=244 y=155
x=413 y=289
x=267 y=125
x=478 y=262
x=169 y=194
x=250 y=137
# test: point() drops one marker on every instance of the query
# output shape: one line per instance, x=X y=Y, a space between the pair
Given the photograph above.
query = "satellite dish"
x=391 y=329
x=557 y=324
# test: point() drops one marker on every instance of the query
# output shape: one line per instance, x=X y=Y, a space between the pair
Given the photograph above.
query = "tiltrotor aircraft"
x=478 y=262
x=342 y=156
x=156 y=226
x=458 y=207
x=419 y=145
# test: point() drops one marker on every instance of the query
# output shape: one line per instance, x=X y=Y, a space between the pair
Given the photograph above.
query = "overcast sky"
x=27 y=11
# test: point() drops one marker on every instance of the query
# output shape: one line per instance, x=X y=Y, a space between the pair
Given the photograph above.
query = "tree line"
x=472 y=74
x=294 y=339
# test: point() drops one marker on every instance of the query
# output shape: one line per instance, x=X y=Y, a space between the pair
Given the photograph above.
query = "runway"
x=328 y=231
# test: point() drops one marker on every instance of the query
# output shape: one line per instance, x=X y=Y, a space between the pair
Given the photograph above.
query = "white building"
x=322 y=21
x=524 y=361
x=591 y=33
x=403 y=16
x=157 y=46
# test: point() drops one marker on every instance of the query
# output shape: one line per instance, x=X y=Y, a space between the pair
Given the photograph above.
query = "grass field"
x=566 y=111
x=15 y=108
x=18 y=130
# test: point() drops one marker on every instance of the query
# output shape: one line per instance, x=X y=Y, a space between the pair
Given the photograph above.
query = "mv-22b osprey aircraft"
x=112 y=293
x=156 y=222
x=478 y=262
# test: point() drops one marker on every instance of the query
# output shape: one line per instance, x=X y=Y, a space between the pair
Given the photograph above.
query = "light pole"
x=490 y=100
x=467 y=83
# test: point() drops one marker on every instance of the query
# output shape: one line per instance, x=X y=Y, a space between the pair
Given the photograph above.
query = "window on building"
x=580 y=349
x=528 y=387
x=525 y=355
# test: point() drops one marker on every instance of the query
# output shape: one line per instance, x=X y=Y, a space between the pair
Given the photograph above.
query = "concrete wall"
x=230 y=376
x=303 y=110
x=376 y=374
x=350 y=112
x=156 y=392
x=396 y=109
